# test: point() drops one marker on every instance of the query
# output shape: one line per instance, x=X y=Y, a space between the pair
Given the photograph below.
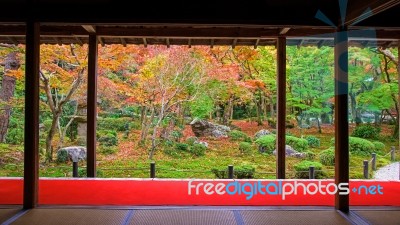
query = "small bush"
x=310 y=155
x=240 y=172
x=116 y=124
x=302 y=169
x=327 y=157
x=15 y=136
x=198 y=149
x=266 y=143
x=108 y=150
x=299 y=144
x=172 y=152
x=366 y=131
x=62 y=156
x=182 y=147
x=360 y=146
x=236 y=135
x=191 y=140
x=245 y=148
x=109 y=139
x=176 y=135
x=379 y=146
x=313 y=141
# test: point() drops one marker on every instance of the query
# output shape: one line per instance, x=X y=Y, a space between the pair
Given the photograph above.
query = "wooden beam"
x=31 y=129
x=234 y=43
x=358 y=11
x=79 y=41
x=341 y=116
x=101 y=41
x=398 y=83
x=256 y=44
x=92 y=106
x=281 y=109
x=89 y=28
x=283 y=31
x=123 y=41
x=145 y=42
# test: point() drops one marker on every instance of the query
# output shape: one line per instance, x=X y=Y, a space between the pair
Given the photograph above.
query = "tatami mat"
x=72 y=216
x=380 y=217
x=293 y=217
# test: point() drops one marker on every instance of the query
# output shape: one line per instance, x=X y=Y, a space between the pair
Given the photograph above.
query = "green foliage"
x=15 y=134
x=267 y=143
x=198 y=149
x=107 y=138
x=108 y=150
x=302 y=170
x=240 y=172
x=310 y=155
x=379 y=146
x=360 y=146
x=202 y=107
x=176 y=135
x=82 y=172
x=62 y=156
x=245 y=147
x=116 y=124
x=313 y=141
x=366 y=131
x=327 y=157
x=299 y=144
x=236 y=135
x=191 y=140
x=182 y=147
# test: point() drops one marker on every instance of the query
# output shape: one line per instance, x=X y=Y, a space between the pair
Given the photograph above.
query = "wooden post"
x=152 y=170
x=311 y=172
x=230 y=172
x=92 y=106
x=373 y=162
x=31 y=129
x=281 y=109
x=341 y=116
x=398 y=83
x=365 y=166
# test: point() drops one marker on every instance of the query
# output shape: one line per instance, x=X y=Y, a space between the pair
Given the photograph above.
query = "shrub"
x=108 y=139
x=379 y=146
x=172 y=152
x=237 y=135
x=240 y=172
x=62 y=156
x=116 y=124
x=176 y=135
x=245 y=147
x=327 y=157
x=302 y=169
x=310 y=155
x=182 y=147
x=366 y=131
x=266 y=143
x=108 y=150
x=298 y=144
x=15 y=136
x=313 y=141
x=198 y=149
x=191 y=140
x=360 y=146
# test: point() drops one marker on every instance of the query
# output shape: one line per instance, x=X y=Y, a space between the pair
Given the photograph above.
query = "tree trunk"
x=50 y=136
x=271 y=107
x=7 y=92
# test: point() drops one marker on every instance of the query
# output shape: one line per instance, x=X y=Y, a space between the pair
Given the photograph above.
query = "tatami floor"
x=196 y=215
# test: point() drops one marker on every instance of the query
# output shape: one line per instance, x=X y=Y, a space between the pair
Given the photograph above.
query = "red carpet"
x=175 y=192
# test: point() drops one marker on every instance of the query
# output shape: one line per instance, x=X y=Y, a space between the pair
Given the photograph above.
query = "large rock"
x=292 y=153
x=203 y=128
x=195 y=140
x=75 y=153
x=261 y=133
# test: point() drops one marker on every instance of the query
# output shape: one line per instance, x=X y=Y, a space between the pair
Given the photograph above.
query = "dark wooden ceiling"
x=218 y=22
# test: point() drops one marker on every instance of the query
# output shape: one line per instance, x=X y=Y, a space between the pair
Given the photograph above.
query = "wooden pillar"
x=398 y=83
x=31 y=129
x=341 y=116
x=281 y=109
x=92 y=106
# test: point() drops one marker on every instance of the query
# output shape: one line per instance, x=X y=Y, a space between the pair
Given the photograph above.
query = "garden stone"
x=203 y=128
x=291 y=152
x=75 y=153
x=261 y=133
